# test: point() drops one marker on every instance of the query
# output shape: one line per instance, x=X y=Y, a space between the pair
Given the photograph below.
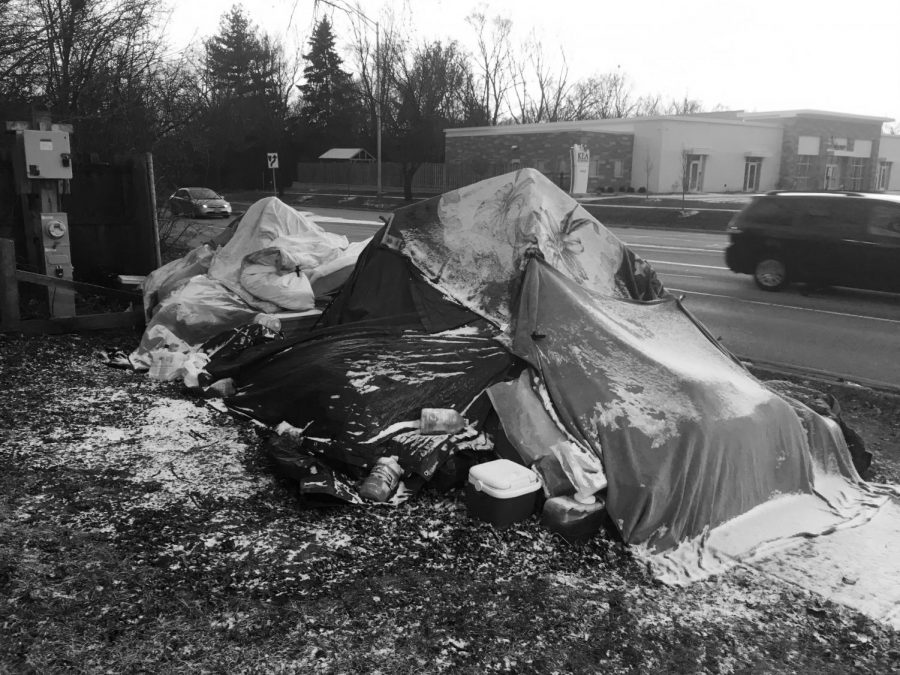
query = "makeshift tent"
x=277 y=260
x=510 y=289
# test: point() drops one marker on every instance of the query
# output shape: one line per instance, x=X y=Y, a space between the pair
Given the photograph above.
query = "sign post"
x=272 y=163
x=581 y=162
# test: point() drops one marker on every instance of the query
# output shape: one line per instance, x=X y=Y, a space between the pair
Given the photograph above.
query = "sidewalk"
x=707 y=212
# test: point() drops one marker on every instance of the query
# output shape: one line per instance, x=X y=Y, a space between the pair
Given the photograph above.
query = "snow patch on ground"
x=176 y=447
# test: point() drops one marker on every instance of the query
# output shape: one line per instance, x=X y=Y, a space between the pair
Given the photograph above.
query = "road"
x=853 y=335
x=847 y=333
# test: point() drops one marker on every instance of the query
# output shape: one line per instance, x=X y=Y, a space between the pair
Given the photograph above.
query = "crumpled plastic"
x=275 y=288
x=161 y=282
x=272 y=224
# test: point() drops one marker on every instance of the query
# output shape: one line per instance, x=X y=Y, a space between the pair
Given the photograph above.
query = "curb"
x=821 y=376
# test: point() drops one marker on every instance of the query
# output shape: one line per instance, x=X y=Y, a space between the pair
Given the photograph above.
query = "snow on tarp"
x=706 y=465
x=687 y=437
x=473 y=243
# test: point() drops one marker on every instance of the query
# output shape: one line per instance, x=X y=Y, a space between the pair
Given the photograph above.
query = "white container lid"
x=503 y=478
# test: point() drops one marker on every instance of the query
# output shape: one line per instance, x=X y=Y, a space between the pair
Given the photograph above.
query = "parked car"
x=823 y=238
x=199 y=202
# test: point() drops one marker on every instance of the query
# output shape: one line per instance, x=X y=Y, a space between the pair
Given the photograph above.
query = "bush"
x=610 y=189
x=621 y=188
x=630 y=188
x=642 y=190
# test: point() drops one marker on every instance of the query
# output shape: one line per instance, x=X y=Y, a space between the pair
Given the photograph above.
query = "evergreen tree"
x=245 y=83
x=330 y=112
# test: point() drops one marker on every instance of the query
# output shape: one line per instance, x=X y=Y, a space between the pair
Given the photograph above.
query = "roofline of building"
x=598 y=126
x=740 y=118
x=784 y=114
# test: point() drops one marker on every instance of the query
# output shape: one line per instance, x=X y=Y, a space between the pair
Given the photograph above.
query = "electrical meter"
x=55 y=229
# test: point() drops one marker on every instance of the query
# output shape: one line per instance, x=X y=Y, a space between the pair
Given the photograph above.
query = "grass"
x=141 y=531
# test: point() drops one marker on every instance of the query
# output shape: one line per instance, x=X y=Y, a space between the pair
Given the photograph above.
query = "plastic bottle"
x=440 y=421
x=572 y=518
x=382 y=481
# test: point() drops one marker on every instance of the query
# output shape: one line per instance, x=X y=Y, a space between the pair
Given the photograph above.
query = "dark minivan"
x=822 y=238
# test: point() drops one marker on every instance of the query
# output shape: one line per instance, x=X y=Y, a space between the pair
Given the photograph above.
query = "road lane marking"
x=678 y=248
x=705 y=267
x=802 y=309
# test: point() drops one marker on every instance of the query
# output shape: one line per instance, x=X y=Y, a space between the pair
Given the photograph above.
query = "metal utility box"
x=56 y=244
x=57 y=253
x=48 y=154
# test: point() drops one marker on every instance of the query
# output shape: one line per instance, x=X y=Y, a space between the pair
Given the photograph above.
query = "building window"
x=594 y=170
x=618 y=169
x=808 y=145
x=542 y=165
x=804 y=168
x=857 y=167
x=515 y=164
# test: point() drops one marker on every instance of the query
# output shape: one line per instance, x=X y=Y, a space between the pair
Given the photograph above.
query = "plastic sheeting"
x=688 y=438
x=704 y=463
x=270 y=223
x=473 y=243
x=275 y=261
x=346 y=387
x=196 y=311
x=161 y=282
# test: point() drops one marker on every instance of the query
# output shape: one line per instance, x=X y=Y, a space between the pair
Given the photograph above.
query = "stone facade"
x=486 y=155
x=825 y=128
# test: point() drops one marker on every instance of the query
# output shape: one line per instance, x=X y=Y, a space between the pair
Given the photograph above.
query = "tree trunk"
x=409 y=170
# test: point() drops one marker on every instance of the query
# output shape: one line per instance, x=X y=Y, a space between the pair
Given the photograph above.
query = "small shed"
x=348 y=154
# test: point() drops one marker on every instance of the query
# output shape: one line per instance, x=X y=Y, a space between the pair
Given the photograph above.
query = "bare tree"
x=648 y=169
x=685 y=175
x=686 y=106
x=649 y=105
x=606 y=96
x=98 y=64
x=494 y=59
x=434 y=90
x=538 y=89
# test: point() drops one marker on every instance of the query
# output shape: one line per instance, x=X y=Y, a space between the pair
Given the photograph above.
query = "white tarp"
x=274 y=262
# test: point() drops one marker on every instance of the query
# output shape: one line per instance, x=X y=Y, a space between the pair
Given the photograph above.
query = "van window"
x=884 y=220
x=769 y=212
x=834 y=216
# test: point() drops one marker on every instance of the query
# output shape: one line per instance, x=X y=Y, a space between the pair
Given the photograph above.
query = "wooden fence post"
x=9 y=286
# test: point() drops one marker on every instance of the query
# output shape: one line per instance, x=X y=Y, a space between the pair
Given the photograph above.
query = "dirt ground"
x=143 y=531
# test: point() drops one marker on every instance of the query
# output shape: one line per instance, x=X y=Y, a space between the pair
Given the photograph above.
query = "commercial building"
x=729 y=151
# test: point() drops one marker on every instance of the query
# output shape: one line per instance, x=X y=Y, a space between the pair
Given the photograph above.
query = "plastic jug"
x=382 y=481
x=573 y=519
x=440 y=421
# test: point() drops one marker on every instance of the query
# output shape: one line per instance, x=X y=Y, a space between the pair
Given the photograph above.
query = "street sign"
x=272 y=160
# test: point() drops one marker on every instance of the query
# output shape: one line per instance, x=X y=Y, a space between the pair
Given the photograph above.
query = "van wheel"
x=771 y=274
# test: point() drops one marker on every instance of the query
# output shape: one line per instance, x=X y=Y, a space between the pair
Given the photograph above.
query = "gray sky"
x=753 y=55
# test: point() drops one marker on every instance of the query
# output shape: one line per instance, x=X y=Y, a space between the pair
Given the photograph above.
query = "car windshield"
x=203 y=193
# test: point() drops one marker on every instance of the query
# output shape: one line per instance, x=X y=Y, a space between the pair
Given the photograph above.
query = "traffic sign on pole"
x=272 y=163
